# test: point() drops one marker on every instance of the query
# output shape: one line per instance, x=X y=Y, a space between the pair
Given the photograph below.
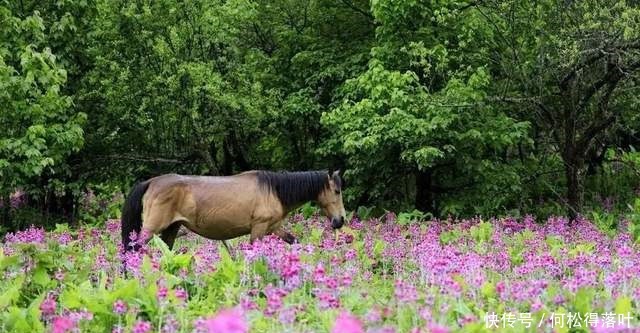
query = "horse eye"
x=337 y=191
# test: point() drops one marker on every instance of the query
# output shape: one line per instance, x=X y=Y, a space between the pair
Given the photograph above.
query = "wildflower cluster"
x=372 y=276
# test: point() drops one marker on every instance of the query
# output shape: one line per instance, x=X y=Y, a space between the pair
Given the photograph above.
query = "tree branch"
x=564 y=83
x=613 y=75
x=594 y=129
x=142 y=159
x=361 y=11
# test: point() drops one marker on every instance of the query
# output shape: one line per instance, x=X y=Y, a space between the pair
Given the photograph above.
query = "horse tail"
x=132 y=214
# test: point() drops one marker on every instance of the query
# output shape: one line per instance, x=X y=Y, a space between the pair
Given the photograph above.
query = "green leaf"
x=11 y=295
x=70 y=298
x=18 y=321
x=8 y=261
x=623 y=306
x=488 y=290
x=41 y=277
x=583 y=300
x=182 y=260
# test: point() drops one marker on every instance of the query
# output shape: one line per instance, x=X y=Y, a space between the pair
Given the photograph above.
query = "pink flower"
x=350 y=254
x=119 y=307
x=247 y=304
x=274 y=300
x=141 y=327
x=537 y=305
x=434 y=328
x=373 y=315
x=227 y=321
x=48 y=306
x=347 y=323
x=181 y=294
x=31 y=235
x=162 y=293
x=113 y=225
x=62 y=324
x=288 y=315
x=59 y=275
x=346 y=280
x=327 y=300
x=319 y=274
x=331 y=283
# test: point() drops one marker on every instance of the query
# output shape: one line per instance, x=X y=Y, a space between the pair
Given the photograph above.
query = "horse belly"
x=222 y=227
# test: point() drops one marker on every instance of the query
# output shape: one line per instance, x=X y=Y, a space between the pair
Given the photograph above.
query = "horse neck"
x=296 y=205
x=303 y=199
x=295 y=189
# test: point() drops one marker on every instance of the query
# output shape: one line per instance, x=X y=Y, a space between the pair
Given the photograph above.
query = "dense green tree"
x=40 y=129
x=420 y=112
x=167 y=84
x=574 y=67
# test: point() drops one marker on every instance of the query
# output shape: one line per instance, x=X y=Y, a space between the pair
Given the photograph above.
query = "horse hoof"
x=289 y=238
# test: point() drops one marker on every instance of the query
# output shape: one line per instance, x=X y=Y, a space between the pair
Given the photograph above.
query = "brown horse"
x=221 y=208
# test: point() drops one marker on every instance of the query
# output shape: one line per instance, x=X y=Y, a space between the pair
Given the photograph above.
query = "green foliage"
x=307 y=210
x=450 y=107
x=634 y=221
x=607 y=223
x=40 y=130
x=583 y=300
x=426 y=114
x=414 y=216
x=365 y=213
x=100 y=203
x=449 y=237
x=481 y=232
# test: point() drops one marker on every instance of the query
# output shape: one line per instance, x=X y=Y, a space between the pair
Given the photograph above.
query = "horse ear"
x=336 y=179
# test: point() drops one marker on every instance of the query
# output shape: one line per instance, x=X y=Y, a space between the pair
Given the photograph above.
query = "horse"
x=251 y=203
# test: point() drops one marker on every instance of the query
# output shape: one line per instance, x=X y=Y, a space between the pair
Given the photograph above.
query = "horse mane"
x=293 y=188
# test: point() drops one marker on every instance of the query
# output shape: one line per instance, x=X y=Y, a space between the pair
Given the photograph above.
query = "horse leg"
x=258 y=231
x=285 y=236
x=182 y=232
x=228 y=247
x=157 y=221
x=169 y=234
x=278 y=230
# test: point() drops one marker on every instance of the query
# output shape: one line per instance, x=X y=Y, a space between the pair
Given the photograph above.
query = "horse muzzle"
x=337 y=222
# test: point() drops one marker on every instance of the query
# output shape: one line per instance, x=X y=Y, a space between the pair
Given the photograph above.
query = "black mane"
x=294 y=188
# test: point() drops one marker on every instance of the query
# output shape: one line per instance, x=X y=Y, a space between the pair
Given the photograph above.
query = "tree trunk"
x=67 y=206
x=573 y=168
x=424 y=200
x=238 y=154
x=571 y=156
x=227 y=158
x=5 y=214
x=205 y=153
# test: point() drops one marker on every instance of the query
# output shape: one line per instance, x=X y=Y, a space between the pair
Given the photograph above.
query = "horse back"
x=215 y=207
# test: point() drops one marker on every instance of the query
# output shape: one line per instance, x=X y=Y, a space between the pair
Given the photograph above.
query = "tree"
x=572 y=63
x=420 y=112
x=39 y=128
x=168 y=85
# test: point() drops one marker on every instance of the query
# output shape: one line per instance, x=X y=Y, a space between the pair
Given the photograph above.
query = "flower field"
x=371 y=276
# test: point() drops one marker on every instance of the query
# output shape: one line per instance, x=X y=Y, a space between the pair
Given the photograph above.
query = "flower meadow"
x=375 y=275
